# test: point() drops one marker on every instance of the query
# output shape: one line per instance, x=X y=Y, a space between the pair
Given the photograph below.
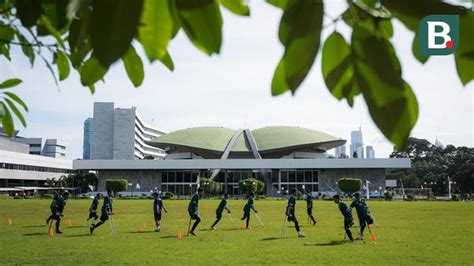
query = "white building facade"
x=121 y=134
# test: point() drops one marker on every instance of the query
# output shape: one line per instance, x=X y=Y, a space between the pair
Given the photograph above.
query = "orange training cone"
x=51 y=234
x=243 y=226
x=9 y=221
x=69 y=223
x=179 y=235
x=143 y=225
x=372 y=236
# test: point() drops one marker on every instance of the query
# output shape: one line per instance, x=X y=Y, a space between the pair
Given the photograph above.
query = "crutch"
x=284 y=226
x=231 y=219
x=259 y=220
x=111 y=221
x=189 y=226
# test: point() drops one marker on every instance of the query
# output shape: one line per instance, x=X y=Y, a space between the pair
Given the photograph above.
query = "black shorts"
x=366 y=220
x=218 y=215
x=157 y=216
x=93 y=215
x=348 y=222
x=195 y=217
x=291 y=218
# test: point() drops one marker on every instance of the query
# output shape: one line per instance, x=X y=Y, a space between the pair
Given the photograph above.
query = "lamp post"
x=131 y=188
x=450 y=196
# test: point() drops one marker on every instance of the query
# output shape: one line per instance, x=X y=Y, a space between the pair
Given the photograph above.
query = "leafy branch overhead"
x=88 y=36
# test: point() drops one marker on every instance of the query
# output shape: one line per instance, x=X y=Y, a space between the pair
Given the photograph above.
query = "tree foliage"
x=89 y=36
x=350 y=184
x=116 y=185
x=251 y=185
x=432 y=165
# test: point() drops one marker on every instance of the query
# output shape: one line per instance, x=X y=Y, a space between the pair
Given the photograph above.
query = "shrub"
x=388 y=195
x=47 y=196
x=454 y=197
x=410 y=197
x=350 y=184
x=210 y=186
x=251 y=185
x=116 y=185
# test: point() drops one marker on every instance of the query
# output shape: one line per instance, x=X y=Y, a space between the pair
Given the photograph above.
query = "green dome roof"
x=269 y=139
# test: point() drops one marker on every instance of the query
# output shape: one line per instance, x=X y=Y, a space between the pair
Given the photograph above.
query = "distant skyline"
x=233 y=90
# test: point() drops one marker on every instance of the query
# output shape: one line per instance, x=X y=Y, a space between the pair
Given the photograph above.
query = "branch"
x=38 y=44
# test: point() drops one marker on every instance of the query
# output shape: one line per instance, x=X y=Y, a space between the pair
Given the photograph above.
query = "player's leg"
x=58 y=224
x=310 y=214
x=103 y=218
x=247 y=222
x=362 y=227
x=348 y=233
x=196 y=223
x=218 y=218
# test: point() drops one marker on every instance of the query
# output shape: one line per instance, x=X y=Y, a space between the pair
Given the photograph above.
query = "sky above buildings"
x=233 y=90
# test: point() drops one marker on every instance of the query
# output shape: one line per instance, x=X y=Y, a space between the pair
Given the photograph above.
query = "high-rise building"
x=340 y=151
x=86 y=144
x=370 y=152
x=357 y=144
x=120 y=133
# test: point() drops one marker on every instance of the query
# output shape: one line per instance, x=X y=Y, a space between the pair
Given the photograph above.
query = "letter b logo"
x=439 y=34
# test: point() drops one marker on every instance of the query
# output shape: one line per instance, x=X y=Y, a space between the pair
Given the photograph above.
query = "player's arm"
x=162 y=205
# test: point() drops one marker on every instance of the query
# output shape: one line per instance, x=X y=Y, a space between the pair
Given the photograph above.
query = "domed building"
x=284 y=157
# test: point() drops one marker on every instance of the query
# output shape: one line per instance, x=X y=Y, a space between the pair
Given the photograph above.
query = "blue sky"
x=233 y=90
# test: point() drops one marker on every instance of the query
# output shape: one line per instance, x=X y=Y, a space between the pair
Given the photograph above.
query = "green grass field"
x=407 y=233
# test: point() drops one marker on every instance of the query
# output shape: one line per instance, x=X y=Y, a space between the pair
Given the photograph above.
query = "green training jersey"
x=346 y=211
x=193 y=204
x=107 y=206
x=221 y=206
x=248 y=205
x=309 y=201
x=290 y=208
x=60 y=203
x=361 y=208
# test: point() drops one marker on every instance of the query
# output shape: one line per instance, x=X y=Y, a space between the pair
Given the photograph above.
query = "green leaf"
x=17 y=99
x=236 y=6
x=79 y=39
x=55 y=10
x=378 y=25
x=45 y=21
x=202 y=22
x=26 y=48
x=10 y=83
x=29 y=11
x=115 y=24
x=167 y=61
x=156 y=28
x=6 y=33
x=299 y=32
x=63 y=65
x=5 y=51
x=465 y=53
x=92 y=71
x=282 y=4
x=134 y=66
x=338 y=69
x=17 y=112
x=7 y=120
x=416 y=51
x=390 y=100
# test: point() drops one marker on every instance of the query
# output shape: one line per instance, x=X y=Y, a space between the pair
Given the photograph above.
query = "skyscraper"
x=340 y=151
x=370 y=152
x=357 y=144
x=86 y=147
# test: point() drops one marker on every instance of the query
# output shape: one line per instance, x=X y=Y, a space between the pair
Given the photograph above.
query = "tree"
x=116 y=185
x=251 y=185
x=350 y=184
x=89 y=36
x=464 y=178
x=431 y=166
